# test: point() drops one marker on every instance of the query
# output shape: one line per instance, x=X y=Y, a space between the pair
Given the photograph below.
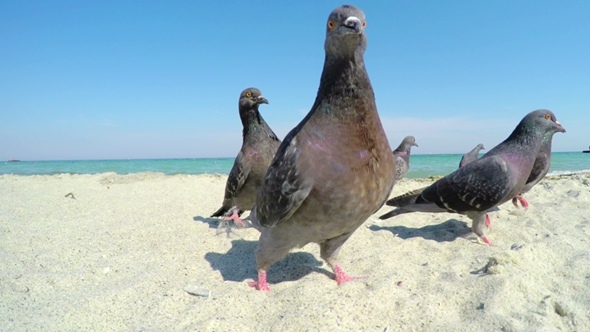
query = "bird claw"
x=236 y=218
x=485 y=239
x=341 y=277
x=261 y=284
x=520 y=198
x=523 y=201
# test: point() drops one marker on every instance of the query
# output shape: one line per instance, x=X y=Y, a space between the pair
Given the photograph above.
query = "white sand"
x=120 y=255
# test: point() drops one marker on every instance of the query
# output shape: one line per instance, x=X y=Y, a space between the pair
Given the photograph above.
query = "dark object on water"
x=13 y=161
x=587 y=151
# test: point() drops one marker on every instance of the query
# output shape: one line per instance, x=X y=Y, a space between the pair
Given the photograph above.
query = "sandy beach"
x=139 y=253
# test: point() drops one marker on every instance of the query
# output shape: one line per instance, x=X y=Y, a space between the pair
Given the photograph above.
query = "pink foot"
x=236 y=218
x=342 y=277
x=523 y=201
x=485 y=239
x=520 y=198
x=261 y=284
x=488 y=221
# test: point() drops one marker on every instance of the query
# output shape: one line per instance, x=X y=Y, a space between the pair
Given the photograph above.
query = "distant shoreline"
x=210 y=158
x=421 y=165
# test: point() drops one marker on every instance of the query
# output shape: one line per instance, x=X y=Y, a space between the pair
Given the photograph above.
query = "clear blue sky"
x=161 y=79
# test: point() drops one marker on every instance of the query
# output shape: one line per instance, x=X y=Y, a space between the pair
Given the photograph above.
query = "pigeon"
x=540 y=169
x=471 y=155
x=487 y=182
x=259 y=146
x=402 y=156
x=335 y=168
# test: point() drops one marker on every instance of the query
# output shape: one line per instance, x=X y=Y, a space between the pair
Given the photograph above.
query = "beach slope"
x=139 y=252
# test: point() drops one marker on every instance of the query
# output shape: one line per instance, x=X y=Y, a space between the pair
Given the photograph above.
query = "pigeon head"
x=410 y=141
x=406 y=145
x=251 y=98
x=344 y=32
x=543 y=121
x=480 y=147
x=248 y=106
x=535 y=126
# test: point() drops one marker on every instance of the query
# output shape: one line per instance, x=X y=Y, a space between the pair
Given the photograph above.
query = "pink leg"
x=261 y=284
x=485 y=239
x=515 y=201
x=488 y=222
x=236 y=219
x=523 y=201
x=340 y=276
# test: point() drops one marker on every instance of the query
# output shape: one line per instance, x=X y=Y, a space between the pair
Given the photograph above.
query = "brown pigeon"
x=487 y=182
x=402 y=156
x=258 y=148
x=335 y=168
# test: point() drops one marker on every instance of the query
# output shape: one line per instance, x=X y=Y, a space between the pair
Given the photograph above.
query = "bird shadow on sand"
x=223 y=226
x=212 y=222
x=239 y=264
x=447 y=231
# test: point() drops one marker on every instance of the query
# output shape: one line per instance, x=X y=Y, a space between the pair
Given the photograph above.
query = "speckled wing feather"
x=236 y=179
x=238 y=175
x=477 y=186
x=283 y=190
x=540 y=169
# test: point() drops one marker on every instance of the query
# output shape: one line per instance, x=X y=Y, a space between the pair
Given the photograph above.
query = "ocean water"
x=421 y=165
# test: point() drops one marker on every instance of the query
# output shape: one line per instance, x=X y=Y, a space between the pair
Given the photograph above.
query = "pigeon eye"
x=364 y=24
x=331 y=24
x=248 y=94
x=547 y=116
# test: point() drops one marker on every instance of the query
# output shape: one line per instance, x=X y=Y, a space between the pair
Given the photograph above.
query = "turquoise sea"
x=421 y=166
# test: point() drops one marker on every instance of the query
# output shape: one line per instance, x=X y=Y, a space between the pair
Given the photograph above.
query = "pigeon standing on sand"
x=471 y=155
x=335 y=168
x=487 y=182
x=259 y=146
x=540 y=169
x=402 y=156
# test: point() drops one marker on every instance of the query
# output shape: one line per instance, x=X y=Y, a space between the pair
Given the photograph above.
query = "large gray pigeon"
x=402 y=156
x=259 y=146
x=335 y=168
x=471 y=155
x=540 y=169
x=487 y=182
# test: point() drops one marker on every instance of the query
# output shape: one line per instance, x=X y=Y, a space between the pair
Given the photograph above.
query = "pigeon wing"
x=284 y=189
x=477 y=186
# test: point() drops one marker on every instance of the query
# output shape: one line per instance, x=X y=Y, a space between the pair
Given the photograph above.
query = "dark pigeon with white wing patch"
x=487 y=182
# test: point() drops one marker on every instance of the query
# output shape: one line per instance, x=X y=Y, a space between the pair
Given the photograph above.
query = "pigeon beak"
x=354 y=23
x=560 y=127
x=415 y=144
x=261 y=100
